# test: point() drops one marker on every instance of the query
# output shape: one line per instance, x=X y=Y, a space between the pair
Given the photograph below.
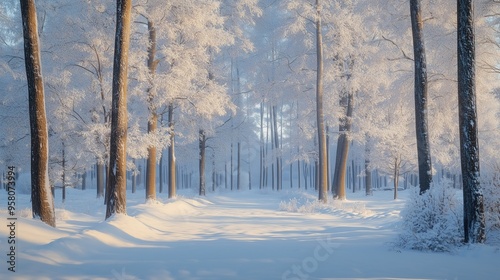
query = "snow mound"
x=301 y=202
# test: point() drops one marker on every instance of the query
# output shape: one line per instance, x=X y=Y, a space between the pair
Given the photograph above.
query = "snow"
x=230 y=235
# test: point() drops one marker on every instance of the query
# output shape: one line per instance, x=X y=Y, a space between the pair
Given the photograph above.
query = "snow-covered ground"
x=229 y=235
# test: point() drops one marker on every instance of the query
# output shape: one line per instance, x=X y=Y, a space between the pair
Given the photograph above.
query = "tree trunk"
x=172 y=187
x=343 y=148
x=100 y=179
x=320 y=118
x=238 y=167
x=231 y=166
x=474 y=219
x=261 y=172
x=396 y=177
x=368 y=172
x=63 y=173
x=298 y=171
x=42 y=202
x=353 y=168
x=160 y=169
x=134 y=179
x=277 y=149
x=151 y=163
x=421 y=97
x=153 y=117
x=84 y=180
x=117 y=179
x=202 y=144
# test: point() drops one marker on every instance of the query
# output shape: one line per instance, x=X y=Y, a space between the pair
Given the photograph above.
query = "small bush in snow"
x=432 y=221
x=298 y=206
x=492 y=208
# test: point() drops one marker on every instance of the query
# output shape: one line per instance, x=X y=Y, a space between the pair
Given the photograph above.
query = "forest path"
x=229 y=235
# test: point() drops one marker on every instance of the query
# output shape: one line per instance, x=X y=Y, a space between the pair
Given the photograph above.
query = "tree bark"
x=117 y=178
x=202 y=144
x=153 y=117
x=63 y=173
x=41 y=200
x=320 y=118
x=277 y=149
x=353 y=168
x=474 y=219
x=421 y=98
x=151 y=163
x=397 y=163
x=100 y=179
x=134 y=179
x=172 y=184
x=84 y=180
x=261 y=162
x=368 y=172
x=343 y=147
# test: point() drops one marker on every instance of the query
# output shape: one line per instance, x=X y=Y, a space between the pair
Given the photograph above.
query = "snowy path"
x=239 y=235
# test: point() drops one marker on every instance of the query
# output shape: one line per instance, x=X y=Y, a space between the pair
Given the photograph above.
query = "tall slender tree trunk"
x=172 y=183
x=261 y=169
x=343 y=148
x=202 y=145
x=117 y=178
x=134 y=179
x=320 y=118
x=84 y=180
x=353 y=168
x=151 y=162
x=100 y=179
x=397 y=163
x=63 y=173
x=474 y=219
x=421 y=98
x=153 y=117
x=277 y=150
x=238 y=166
x=368 y=171
x=42 y=202
x=160 y=169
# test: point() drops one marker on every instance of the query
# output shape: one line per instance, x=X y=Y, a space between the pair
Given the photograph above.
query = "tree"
x=41 y=198
x=117 y=174
x=202 y=144
x=153 y=116
x=320 y=117
x=474 y=219
x=345 y=124
x=421 y=97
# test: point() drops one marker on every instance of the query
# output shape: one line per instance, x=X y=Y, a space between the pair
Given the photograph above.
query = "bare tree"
x=117 y=173
x=474 y=219
x=41 y=198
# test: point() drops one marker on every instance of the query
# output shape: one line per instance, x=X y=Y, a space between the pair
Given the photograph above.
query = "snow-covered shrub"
x=492 y=207
x=297 y=205
x=432 y=221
